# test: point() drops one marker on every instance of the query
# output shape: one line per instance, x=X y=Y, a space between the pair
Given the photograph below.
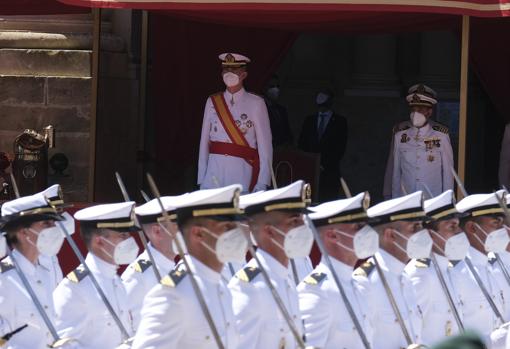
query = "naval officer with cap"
x=346 y=236
x=235 y=145
x=29 y=223
x=171 y=314
x=422 y=153
x=482 y=222
x=276 y=223
x=401 y=236
x=139 y=277
x=81 y=314
x=449 y=248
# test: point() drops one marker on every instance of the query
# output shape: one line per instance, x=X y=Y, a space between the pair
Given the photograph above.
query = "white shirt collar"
x=389 y=262
x=163 y=264
x=343 y=270
x=100 y=266
x=235 y=96
x=203 y=271
x=477 y=257
x=423 y=130
x=442 y=261
x=27 y=267
x=270 y=263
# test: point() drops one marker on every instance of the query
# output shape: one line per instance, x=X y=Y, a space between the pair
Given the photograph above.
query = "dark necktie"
x=322 y=125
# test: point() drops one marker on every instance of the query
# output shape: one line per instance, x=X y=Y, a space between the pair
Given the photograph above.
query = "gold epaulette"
x=247 y=274
x=402 y=126
x=77 y=274
x=174 y=277
x=422 y=263
x=441 y=128
x=142 y=265
x=365 y=269
x=492 y=259
x=5 y=266
x=315 y=278
x=452 y=264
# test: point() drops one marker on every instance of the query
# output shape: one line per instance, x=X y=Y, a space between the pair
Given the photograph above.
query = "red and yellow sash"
x=239 y=146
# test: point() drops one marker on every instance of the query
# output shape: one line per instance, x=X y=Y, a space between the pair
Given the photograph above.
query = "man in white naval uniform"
x=483 y=225
x=450 y=244
x=343 y=230
x=81 y=314
x=422 y=154
x=277 y=226
x=236 y=144
x=171 y=314
x=139 y=277
x=31 y=232
x=399 y=225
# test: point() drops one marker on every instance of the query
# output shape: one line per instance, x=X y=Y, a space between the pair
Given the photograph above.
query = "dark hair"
x=464 y=220
x=87 y=233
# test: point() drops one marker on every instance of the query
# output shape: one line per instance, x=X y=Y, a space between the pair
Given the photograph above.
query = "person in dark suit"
x=326 y=133
x=278 y=118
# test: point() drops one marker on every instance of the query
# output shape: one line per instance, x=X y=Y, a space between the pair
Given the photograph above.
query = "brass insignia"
x=229 y=58
x=281 y=345
x=5 y=266
x=415 y=98
x=173 y=278
x=422 y=263
x=238 y=123
x=364 y=269
x=235 y=200
x=244 y=116
x=366 y=201
x=77 y=274
x=448 y=328
x=430 y=158
x=306 y=194
x=142 y=265
x=247 y=274
x=428 y=143
x=404 y=138
x=249 y=124
x=315 y=278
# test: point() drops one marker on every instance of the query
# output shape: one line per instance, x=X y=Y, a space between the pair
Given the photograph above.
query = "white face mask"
x=3 y=246
x=496 y=241
x=418 y=119
x=230 y=79
x=231 y=246
x=365 y=242
x=68 y=223
x=455 y=247
x=124 y=252
x=418 y=245
x=297 y=242
x=49 y=241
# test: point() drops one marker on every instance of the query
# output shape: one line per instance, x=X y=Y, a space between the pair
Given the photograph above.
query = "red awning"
x=479 y=8
x=37 y=7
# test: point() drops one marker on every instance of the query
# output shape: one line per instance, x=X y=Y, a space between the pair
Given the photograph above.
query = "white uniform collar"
x=271 y=264
x=203 y=271
x=236 y=96
x=442 y=261
x=163 y=264
x=505 y=257
x=343 y=270
x=477 y=257
x=27 y=267
x=423 y=130
x=100 y=266
x=389 y=262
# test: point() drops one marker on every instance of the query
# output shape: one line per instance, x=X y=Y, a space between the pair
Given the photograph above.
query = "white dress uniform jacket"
x=259 y=320
x=172 y=317
x=438 y=319
x=327 y=322
x=53 y=265
x=17 y=307
x=497 y=274
x=422 y=156
x=82 y=315
x=139 y=278
x=250 y=114
x=387 y=333
x=504 y=159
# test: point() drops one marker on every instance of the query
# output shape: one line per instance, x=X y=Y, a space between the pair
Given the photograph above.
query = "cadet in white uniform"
x=450 y=243
x=399 y=224
x=422 y=154
x=29 y=224
x=81 y=313
x=483 y=224
x=236 y=148
x=171 y=314
x=139 y=277
x=277 y=226
x=341 y=225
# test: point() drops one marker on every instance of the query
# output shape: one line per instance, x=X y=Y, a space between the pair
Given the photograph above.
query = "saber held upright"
x=194 y=283
x=141 y=234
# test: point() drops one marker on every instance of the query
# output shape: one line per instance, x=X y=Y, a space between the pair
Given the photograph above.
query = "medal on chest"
x=404 y=138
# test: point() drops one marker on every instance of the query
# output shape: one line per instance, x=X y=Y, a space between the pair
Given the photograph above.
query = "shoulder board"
x=422 y=263
x=142 y=265
x=315 y=278
x=5 y=266
x=77 y=274
x=174 y=278
x=441 y=128
x=452 y=264
x=492 y=259
x=364 y=269
x=400 y=127
x=256 y=94
x=247 y=274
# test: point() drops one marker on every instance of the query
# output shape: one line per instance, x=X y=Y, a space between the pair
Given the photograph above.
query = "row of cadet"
x=404 y=273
